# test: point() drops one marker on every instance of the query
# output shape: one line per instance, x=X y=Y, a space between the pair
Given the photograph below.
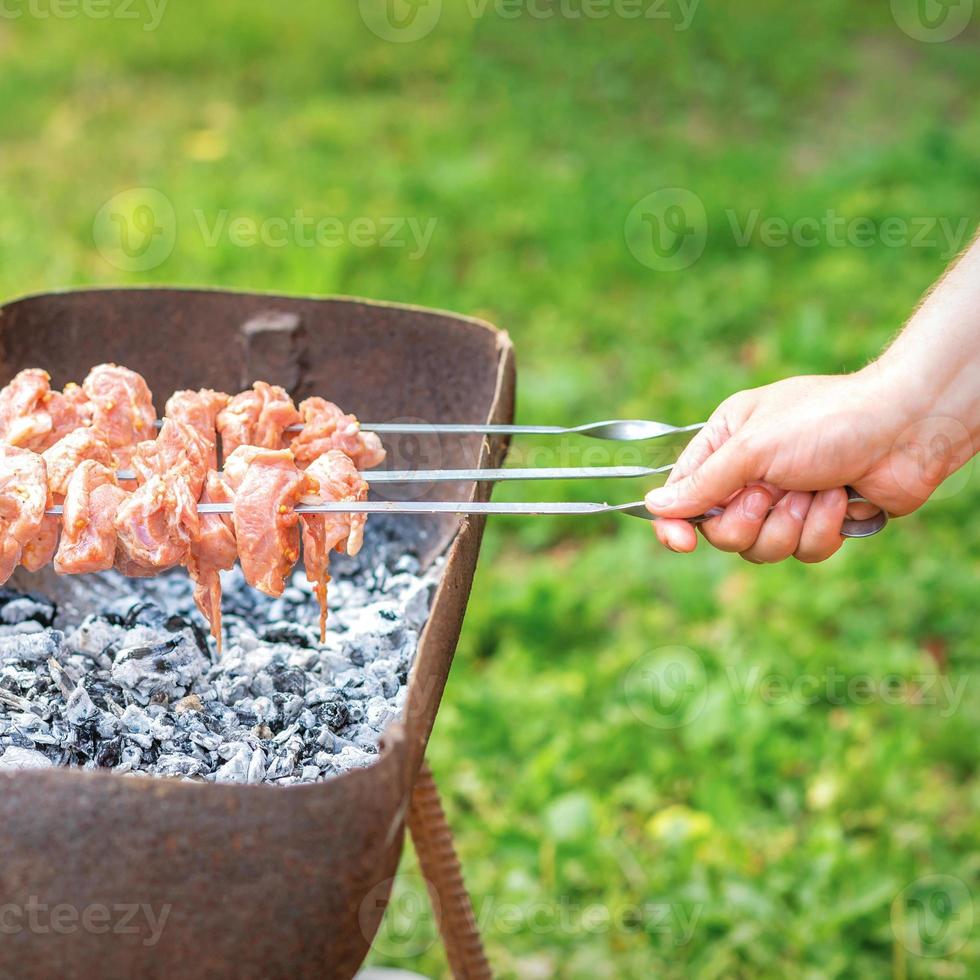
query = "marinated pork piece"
x=199 y=410
x=88 y=540
x=32 y=416
x=326 y=427
x=338 y=480
x=155 y=526
x=122 y=408
x=258 y=417
x=178 y=452
x=213 y=551
x=61 y=461
x=39 y=551
x=77 y=404
x=64 y=457
x=267 y=487
x=23 y=497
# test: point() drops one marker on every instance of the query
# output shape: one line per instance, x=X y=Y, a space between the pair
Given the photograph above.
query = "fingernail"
x=757 y=505
x=660 y=498
x=799 y=505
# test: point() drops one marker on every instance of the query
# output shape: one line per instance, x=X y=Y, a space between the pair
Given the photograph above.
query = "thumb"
x=723 y=473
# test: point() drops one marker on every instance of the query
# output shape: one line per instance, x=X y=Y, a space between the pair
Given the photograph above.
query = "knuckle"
x=727 y=538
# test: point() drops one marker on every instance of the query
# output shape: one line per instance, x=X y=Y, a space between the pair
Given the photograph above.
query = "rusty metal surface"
x=256 y=881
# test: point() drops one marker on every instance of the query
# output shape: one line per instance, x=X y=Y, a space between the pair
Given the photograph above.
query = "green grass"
x=771 y=835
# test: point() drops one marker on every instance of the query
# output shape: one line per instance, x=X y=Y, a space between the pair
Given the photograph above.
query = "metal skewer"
x=620 y=430
x=494 y=476
x=851 y=528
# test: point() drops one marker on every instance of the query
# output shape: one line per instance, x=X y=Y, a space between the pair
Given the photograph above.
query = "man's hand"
x=777 y=458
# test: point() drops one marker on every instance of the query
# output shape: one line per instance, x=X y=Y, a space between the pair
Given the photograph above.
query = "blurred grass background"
x=778 y=832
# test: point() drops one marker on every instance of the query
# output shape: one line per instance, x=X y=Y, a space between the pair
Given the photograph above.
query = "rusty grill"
x=260 y=881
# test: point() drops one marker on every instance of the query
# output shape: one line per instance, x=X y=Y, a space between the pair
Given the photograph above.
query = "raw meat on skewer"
x=267 y=487
x=337 y=479
x=32 y=416
x=23 y=499
x=88 y=539
x=325 y=427
x=199 y=409
x=214 y=550
x=258 y=417
x=65 y=456
x=122 y=408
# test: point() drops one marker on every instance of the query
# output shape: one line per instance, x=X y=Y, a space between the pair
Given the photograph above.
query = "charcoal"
x=35 y=648
x=22 y=758
x=334 y=713
x=169 y=668
x=16 y=607
x=136 y=687
x=79 y=708
x=109 y=753
x=291 y=633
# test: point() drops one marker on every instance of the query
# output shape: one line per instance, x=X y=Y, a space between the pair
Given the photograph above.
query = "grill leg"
x=433 y=842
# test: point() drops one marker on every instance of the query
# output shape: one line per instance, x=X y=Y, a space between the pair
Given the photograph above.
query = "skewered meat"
x=213 y=551
x=155 y=526
x=267 y=487
x=64 y=457
x=122 y=408
x=61 y=461
x=86 y=433
x=257 y=418
x=23 y=498
x=338 y=479
x=199 y=410
x=178 y=452
x=326 y=427
x=88 y=540
x=33 y=416
x=41 y=548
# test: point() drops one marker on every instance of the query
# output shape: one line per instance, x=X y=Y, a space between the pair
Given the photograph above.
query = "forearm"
x=933 y=367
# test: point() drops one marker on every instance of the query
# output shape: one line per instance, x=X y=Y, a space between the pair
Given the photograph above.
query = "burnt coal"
x=136 y=687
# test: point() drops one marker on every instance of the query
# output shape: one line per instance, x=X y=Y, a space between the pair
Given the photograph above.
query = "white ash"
x=138 y=688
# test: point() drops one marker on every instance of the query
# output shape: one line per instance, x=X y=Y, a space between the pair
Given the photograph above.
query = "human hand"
x=777 y=458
